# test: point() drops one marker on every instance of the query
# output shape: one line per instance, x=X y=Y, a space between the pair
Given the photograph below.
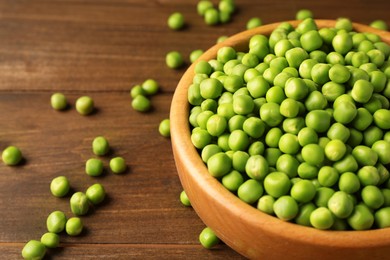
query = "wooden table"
x=102 y=48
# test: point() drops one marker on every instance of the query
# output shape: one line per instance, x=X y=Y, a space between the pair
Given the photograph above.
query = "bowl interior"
x=244 y=228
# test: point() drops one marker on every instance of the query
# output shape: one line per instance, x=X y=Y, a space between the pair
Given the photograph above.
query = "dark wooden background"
x=102 y=48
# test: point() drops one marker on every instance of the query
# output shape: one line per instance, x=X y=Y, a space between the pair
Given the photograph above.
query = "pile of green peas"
x=298 y=126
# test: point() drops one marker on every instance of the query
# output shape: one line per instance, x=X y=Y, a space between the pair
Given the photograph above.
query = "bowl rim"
x=185 y=152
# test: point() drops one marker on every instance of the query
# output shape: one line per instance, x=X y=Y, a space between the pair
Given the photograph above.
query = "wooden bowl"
x=248 y=231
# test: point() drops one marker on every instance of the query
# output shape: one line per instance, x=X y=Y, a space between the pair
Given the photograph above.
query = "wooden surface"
x=101 y=48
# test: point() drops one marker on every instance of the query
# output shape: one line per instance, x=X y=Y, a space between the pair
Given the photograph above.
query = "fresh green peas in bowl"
x=302 y=158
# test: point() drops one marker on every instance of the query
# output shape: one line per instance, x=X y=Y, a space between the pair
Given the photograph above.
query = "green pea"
x=302 y=14
x=338 y=131
x=150 y=87
x=371 y=135
x=33 y=249
x=256 y=167
x=238 y=140
x=277 y=184
x=296 y=56
x=384 y=174
x=344 y=112
x=382 y=149
x=211 y=16
x=306 y=25
x=258 y=87
x=318 y=120
x=349 y=182
x=11 y=155
x=311 y=40
x=74 y=226
x=372 y=196
x=307 y=171
x=303 y=191
x=84 y=105
x=56 y=221
x=293 y=125
x=289 y=108
x=286 y=208
x=265 y=204
x=296 y=88
x=347 y=164
x=164 y=128
x=136 y=90
x=208 y=238
x=340 y=204
x=382 y=217
x=382 y=118
x=174 y=60
x=211 y=88
x=303 y=216
x=362 y=91
x=184 y=199
x=203 y=67
x=313 y=154
x=202 y=6
x=361 y=218
x=327 y=176
x=365 y=155
x=96 y=193
x=219 y=164
x=250 y=191
x=288 y=164
x=253 y=23
x=141 y=103
x=362 y=120
x=321 y=218
x=270 y=114
x=118 y=165
x=368 y=175
x=335 y=150
x=176 y=21
x=243 y=104
x=59 y=186
x=58 y=101
x=232 y=181
x=79 y=204
x=289 y=144
x=94 y=167
x=320 y=73
x=322 y=196
x=254 y=127
x=50 y=240
x=256 y=148
x=306 y=136
x=239 y=160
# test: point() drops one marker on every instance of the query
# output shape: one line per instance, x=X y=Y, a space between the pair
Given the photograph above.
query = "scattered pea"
x=94 y=167
x=150 y=87
x=208 y=238
x=33 y=249
x=58 y=101
x=253 y=23
x=118 y=165
x=176 y=21
x=60 y=186
x=174 y=60
x=164 y=128
x=85 y=105
x=184 y=199
x=141 y=103
x=74 y=226
x=50 y=240
x=11 y=155
x=56 y=221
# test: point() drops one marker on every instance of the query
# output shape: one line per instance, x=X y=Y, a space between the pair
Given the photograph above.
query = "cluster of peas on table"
x=80 y=202
x=298 y=126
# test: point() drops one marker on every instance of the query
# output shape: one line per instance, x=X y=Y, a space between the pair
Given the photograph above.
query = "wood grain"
x=101 y=48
